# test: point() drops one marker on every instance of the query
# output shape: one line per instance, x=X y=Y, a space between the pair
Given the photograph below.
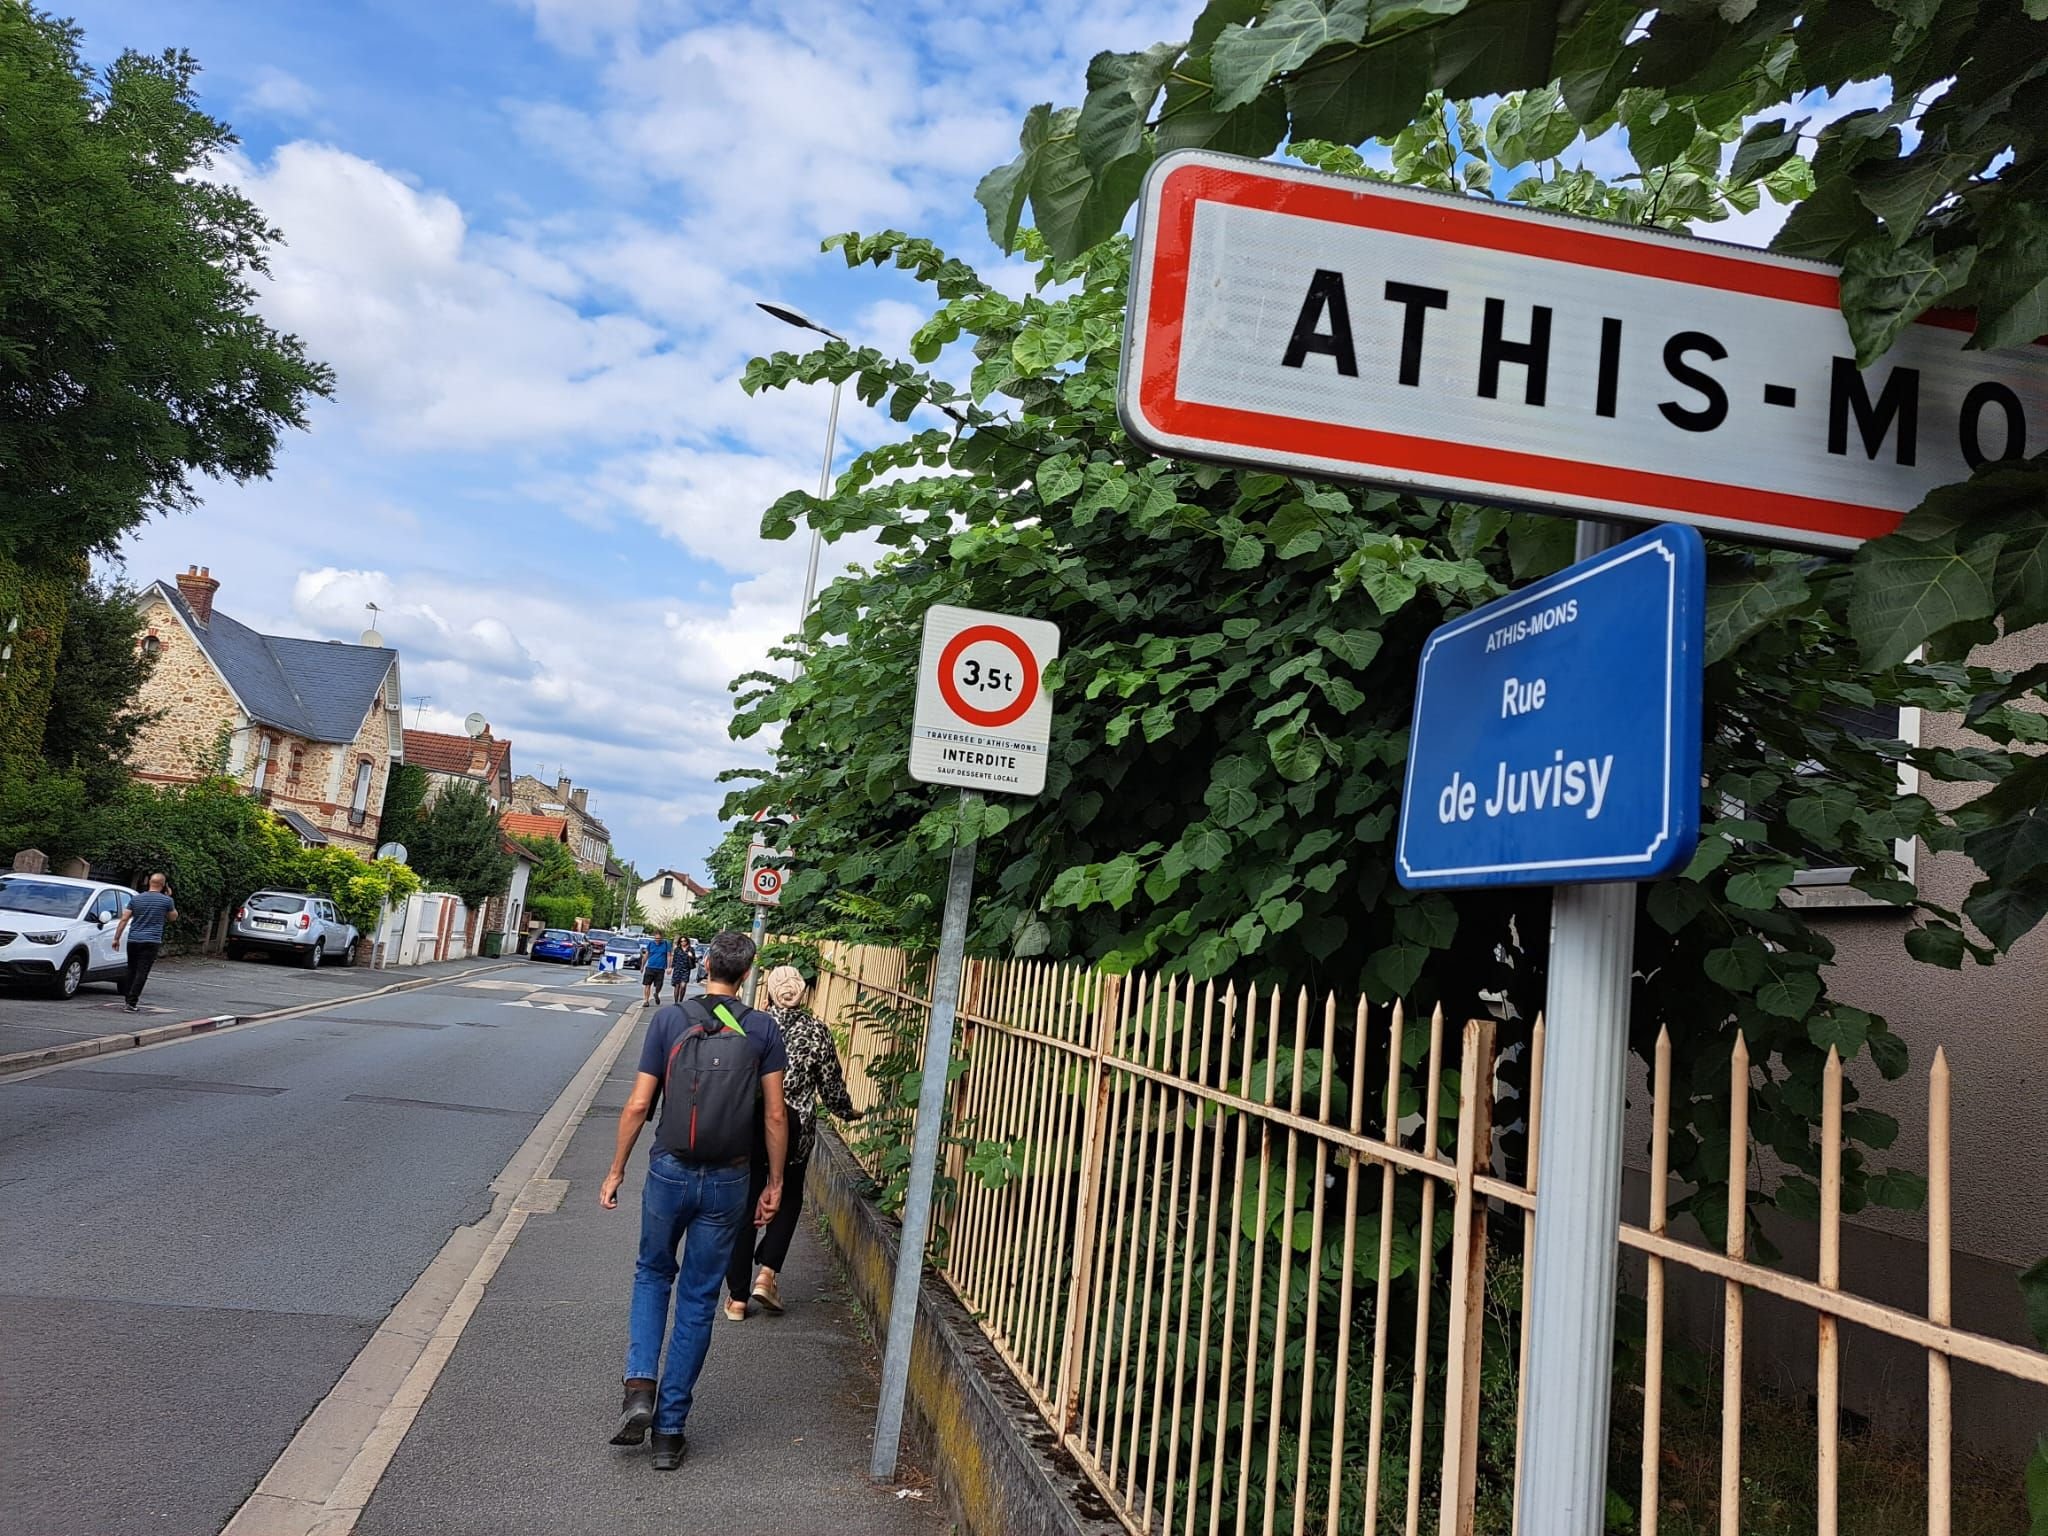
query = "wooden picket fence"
x=1188 y=1166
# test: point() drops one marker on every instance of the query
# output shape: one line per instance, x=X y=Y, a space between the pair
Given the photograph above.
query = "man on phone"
x=711 y=1059
x=654 y=970
x=147 y=913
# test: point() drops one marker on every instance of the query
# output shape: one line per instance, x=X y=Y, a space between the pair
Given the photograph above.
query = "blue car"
x=561 y=944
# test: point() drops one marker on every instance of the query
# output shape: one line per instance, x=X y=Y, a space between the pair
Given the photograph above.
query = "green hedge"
x=213 y=842
x=32 y=607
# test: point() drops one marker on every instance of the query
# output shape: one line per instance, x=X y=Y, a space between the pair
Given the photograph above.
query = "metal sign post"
x=1556 y=741
x=760 y=888
x=924 y=1152
x=1571 y=1303
x=983 y=720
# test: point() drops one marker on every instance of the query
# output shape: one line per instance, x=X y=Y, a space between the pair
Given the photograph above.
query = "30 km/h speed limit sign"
x=983 y=714
x=763 y=884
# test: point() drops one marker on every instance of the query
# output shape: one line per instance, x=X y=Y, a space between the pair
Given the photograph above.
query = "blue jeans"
x=700 y=1208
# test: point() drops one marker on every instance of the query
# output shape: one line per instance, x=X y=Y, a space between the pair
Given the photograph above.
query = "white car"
x=59 y=932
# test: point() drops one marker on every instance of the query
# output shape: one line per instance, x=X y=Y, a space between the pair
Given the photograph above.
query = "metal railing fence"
x=1215 y=1244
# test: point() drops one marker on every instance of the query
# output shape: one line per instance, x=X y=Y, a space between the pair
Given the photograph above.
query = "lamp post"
x=789 y=315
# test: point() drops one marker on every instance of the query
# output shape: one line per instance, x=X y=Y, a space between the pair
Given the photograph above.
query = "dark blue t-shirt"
x=764 y=1035
x=657 y=955
x=146 y=913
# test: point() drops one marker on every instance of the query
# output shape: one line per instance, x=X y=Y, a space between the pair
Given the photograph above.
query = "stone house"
x=481 y=760
x=668 y=894
x=311 y=728
x=589 y=839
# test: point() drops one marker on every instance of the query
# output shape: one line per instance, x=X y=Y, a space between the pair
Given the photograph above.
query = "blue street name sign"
x=1557 y=730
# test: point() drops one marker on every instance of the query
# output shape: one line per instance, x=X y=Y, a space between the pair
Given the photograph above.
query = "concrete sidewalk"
x=512 y=1437
x=201 y=987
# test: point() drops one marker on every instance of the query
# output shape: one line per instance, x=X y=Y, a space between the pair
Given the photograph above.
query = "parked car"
x=58 y=932
x=632 y=951
x=295 y=923
x=562 y=944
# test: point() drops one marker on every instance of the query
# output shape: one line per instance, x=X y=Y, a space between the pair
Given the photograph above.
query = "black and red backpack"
x=711 y=1086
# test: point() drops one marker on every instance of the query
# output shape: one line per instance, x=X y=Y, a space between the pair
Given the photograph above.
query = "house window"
x=298 y=761
x=1822 y=886
x=263 y=747
x=151 y=645
x=359 y=803
x=668 y=888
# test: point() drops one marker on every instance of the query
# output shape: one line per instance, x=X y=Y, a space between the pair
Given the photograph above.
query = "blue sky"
x=528 y=235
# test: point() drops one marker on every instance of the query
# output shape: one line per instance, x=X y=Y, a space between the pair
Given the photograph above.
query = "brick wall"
x=181 y=746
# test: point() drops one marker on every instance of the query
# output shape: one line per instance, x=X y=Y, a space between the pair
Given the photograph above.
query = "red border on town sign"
x=1579 y=244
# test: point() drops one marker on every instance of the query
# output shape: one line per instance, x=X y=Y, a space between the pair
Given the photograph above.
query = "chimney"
x=197 y=587
x=580 y=799
x=562 y=787
x=480 y=751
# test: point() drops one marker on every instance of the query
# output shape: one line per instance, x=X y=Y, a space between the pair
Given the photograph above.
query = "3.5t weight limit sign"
x=1320 y=324
x=984 y=717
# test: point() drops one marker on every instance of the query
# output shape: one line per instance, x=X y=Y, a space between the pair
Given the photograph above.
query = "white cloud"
x=279 y=93
x=439 y=339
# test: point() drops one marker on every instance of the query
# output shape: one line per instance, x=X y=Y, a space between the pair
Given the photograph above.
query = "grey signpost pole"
x=1578 y=1177
x=754 y=976
x=924 y=1155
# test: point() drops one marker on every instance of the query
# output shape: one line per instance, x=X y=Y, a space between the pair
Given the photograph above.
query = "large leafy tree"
x=131 y=356
x=1235 y=688
x=1940 y=197
x=456 y=845
x=101 y=668
x=132 y=359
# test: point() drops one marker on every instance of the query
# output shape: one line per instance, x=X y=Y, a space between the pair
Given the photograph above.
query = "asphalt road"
x=199 y=987
x=199 y=1237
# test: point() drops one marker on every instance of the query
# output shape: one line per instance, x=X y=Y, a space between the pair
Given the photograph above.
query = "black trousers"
x=140 y=958
x=766 y=1247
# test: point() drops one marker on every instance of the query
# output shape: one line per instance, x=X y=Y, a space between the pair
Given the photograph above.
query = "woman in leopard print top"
x=814 y=1081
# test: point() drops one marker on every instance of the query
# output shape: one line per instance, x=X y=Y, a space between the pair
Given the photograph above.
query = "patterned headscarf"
x=786 y=986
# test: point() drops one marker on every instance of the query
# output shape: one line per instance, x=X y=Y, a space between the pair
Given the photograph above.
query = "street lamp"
x=789 y=315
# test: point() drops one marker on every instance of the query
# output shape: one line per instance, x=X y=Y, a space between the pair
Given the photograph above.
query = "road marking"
x=323 y=1480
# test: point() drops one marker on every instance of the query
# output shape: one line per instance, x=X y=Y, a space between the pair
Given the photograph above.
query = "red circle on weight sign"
x=767 y=881
x=1027 y=665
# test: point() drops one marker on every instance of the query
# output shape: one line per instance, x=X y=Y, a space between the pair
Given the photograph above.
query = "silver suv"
x=293 y=923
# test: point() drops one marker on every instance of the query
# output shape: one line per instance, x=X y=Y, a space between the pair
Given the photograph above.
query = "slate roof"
x=308 y=833
x=318 y=689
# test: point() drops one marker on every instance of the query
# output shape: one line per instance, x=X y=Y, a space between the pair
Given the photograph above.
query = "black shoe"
x=635 y=1414
x=668 y=1450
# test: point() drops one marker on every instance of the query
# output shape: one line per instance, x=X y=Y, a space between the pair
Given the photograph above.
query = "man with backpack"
x=711 y=1059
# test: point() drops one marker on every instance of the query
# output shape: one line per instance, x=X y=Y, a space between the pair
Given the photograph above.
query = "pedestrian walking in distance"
x=718 y=1067
x=815 y=1082
x=652 y=969
x=143 y=926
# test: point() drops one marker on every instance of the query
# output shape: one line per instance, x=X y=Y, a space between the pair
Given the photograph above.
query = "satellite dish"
x=392 y=851
x=476 y=724
x=372 y=639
